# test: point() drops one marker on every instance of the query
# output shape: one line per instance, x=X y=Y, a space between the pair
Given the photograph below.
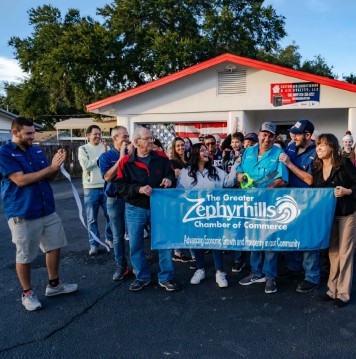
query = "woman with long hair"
x=179 y=159
x=200 y=173
x=332 y=170
x=178 y=162
x=347 y=142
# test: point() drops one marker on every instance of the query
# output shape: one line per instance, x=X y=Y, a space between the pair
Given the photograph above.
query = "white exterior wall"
x=194 y=99
x=5 y=125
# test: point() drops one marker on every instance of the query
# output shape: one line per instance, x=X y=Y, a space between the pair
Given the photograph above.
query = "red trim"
x=216 y=61
x=142 y=165
x=161 y=154
x=120 y=169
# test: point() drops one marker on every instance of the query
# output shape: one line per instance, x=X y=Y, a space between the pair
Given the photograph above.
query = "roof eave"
x=95 y=106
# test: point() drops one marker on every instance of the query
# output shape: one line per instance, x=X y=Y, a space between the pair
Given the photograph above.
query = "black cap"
x=302 y=126
x=252 y=136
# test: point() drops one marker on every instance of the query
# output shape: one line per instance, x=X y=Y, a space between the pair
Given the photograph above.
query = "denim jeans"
x=93 y=199
x=136 y=220
x=239 y=257
x=309 y=260
x=266 y=265
x=116 y=212
x=217 y=256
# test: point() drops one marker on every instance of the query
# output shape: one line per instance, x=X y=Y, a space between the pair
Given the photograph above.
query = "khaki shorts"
x=29 y=234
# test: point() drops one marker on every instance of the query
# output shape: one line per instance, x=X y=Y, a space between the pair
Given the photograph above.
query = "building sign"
x=283 y=219
x=298 y=94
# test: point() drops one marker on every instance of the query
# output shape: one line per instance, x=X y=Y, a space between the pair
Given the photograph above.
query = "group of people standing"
x=208 y=164
x=121 y=180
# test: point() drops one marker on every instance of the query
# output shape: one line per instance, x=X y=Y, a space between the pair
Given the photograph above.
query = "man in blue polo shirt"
x=29 y=207
x=109 y=163
x=298 y=158
x=258 y=162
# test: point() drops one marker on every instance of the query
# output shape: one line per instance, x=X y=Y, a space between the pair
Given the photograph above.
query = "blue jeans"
x=266 y=265
x=239 y=257
x=116 y=212
x=136 y=220
x=93 y=199
x=309 y=260
x=217 y=256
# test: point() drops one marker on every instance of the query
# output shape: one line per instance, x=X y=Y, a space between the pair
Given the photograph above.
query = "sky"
x=319 y=27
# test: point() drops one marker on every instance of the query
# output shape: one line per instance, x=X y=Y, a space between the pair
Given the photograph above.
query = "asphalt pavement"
x=104 y=320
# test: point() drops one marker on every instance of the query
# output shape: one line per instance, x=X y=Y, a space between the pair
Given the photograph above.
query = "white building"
x=230 y=88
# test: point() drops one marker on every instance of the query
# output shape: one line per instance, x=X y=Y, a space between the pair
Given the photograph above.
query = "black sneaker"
x=120 y=274
x=138 y=285
x=325 y=298
x=338 y=303
x=287 y=273
x=170 y=285
x=180 y=258
x=305 y=286
x=237 y=267
x=271 y=286
x=252 y=278
x=193 y=264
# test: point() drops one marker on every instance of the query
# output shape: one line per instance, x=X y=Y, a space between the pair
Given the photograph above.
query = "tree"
x=350 y=78
x=318 y=66
x=287 y=57
x=68 y=61
x=159 y=37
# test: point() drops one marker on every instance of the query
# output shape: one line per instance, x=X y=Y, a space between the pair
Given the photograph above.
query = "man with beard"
x=298 y=158
x=29 y=206
x=258 y=162
x=93 y=185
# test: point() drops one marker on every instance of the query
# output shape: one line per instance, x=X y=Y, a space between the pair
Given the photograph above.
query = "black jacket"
x=345 y=176
x=133 y=174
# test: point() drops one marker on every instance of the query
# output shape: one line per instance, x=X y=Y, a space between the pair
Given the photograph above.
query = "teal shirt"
x=258 y=169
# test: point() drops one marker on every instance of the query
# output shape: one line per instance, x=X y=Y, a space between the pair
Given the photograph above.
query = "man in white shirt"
x=93 y=185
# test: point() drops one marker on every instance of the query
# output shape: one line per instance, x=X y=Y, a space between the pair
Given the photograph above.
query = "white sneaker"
x=126 y=237
x=198 y=276
x=221 y=279
x=109 y=243
x=62 y=288
x=30 y=301
x=93 y=251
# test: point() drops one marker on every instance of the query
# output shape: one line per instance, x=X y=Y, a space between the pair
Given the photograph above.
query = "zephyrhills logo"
x=285 y=210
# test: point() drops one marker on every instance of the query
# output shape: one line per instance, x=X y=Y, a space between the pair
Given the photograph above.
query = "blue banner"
x=285 y=219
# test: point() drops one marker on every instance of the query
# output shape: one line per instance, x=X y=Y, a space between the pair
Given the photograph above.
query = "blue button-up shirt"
x=260 y=168
x=303 y=161
x=32 y=201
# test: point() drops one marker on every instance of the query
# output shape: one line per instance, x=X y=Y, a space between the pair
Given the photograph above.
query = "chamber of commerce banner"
x=284 y=219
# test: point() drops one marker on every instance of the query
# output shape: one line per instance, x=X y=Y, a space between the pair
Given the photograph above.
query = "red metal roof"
x=216 y=61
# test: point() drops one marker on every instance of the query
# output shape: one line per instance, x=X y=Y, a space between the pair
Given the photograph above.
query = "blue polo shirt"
x=304 y=161
x=258 y=169
x=32 y=201
x=105 y=162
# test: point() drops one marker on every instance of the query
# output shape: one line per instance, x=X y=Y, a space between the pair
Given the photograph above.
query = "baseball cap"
x=268 y=127
x=302 y=126
x=252 y=136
